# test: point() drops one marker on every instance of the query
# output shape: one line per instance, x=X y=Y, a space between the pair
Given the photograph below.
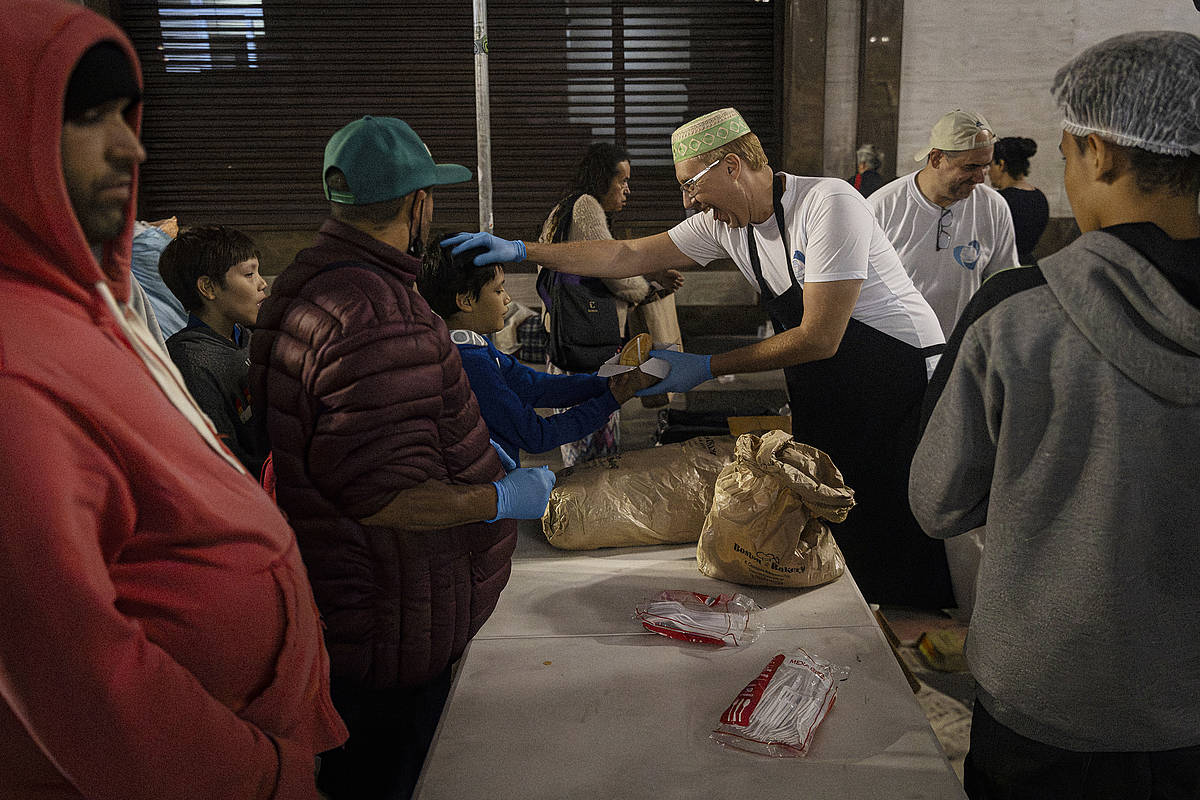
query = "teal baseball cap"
x=383 y=159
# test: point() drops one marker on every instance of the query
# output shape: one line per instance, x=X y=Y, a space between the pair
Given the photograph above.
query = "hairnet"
x=1136 y=90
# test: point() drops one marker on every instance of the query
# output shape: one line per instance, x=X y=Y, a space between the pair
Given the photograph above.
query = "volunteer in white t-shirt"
x=950 y=230
x=855 y=338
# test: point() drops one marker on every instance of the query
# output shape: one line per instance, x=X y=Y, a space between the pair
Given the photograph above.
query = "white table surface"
x=629 y=717
x=581 y=595
x=563 y=695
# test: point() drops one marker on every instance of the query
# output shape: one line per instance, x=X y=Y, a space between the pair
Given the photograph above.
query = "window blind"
x=241 y=96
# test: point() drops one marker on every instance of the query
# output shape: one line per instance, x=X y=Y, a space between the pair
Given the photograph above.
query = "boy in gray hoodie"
x=213 y=270
x=1065 y=418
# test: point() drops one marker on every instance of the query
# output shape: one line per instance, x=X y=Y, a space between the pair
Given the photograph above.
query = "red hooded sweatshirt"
x=158 y=636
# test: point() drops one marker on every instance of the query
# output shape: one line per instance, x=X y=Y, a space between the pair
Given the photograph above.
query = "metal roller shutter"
x=241 y=96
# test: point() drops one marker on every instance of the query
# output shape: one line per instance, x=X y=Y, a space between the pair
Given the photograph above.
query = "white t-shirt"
x=981 y=242
x=833 y=238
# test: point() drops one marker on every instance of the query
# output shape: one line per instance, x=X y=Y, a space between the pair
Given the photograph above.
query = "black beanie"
x=103 y=74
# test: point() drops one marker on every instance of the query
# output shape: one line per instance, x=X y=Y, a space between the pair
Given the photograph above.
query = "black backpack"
x=584 y=328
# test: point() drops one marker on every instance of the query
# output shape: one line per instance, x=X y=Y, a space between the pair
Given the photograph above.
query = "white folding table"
x=562 y=694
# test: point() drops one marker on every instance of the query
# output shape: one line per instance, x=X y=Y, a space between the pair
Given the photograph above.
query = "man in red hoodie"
x=158 y=636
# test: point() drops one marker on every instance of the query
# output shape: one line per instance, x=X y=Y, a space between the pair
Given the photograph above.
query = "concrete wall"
x=1000 y=58
x=841 y=87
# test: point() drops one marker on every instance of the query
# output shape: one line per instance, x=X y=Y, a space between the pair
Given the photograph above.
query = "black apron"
x=862 y=407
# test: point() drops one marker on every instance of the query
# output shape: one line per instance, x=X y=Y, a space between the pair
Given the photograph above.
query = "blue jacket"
x=148 y=244
x=509 y=392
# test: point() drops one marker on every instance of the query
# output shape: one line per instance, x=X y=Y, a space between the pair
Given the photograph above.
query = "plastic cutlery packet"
x=778 y=712
x=691 y=617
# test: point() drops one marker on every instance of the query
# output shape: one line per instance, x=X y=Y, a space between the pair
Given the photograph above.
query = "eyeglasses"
x=689 y=185
x=943 y=229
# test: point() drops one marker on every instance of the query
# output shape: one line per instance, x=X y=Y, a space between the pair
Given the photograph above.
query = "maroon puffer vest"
x=364 y=395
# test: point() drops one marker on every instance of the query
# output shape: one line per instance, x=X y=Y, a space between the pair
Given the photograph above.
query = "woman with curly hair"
x=599 y=189
x=1030 y=211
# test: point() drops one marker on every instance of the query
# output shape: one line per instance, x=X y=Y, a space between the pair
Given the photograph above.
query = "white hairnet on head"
x=1136 y=90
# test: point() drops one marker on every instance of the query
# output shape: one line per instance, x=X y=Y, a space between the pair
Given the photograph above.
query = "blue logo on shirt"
x=967 y=255
x=797 y=258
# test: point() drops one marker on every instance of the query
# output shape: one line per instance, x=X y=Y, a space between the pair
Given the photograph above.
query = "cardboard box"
x=740 y=425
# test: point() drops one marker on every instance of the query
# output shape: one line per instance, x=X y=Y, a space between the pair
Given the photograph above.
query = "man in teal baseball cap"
x=375 y=166
x=402 y=508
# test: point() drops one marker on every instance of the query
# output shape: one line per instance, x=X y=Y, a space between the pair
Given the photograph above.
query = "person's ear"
x=464 y=302
x=733 y=165
x=1100 y=157
x=206 y=288
x=418 y=206
x=935 y=158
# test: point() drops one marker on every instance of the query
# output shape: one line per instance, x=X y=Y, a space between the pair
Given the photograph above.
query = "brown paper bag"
x=654 y=496
x=765 y=526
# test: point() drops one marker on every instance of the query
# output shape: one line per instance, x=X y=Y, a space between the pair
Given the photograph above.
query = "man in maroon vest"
x=401 y=505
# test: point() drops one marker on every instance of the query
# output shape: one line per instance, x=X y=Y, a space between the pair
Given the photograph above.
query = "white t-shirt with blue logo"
x=833 y=237
x=981 y=241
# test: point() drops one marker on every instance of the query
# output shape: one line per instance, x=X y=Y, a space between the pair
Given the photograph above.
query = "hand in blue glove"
x=688 y=370
x=523 y=494
x=498 y=249
x=505 y=459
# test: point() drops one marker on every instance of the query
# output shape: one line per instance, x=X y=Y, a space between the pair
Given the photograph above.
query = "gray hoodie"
x=1069 y=426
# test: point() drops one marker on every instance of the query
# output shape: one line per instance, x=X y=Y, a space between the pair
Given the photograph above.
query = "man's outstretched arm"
x=601 y=258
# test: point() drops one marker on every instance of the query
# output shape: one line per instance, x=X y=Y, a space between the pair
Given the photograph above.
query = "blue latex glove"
x=498 y=249
x=688 y=370
x=505 y=459
x=523 y=493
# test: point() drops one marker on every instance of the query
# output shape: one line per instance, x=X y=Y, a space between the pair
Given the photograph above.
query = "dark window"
x=241 y=96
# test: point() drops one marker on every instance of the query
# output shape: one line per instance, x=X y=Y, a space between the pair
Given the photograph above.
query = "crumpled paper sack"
x=640 y=497
x=766 y=524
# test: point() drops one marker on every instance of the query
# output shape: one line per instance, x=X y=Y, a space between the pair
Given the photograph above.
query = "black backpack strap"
x=565 y=216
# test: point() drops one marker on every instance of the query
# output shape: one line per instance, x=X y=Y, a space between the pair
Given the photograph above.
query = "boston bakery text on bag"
x=767 y=525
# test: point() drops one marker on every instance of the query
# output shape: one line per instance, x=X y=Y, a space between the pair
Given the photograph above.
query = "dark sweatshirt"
x=1067 y=422
x=217 y=373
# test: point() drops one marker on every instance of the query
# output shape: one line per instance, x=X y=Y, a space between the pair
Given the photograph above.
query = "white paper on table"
x=656 y=367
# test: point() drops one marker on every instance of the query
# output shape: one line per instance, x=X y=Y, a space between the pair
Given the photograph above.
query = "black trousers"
x=1004 y=765
x=863 y=407
x=390 y=733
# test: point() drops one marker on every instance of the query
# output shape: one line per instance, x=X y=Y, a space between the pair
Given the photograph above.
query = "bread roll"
x=636 y=350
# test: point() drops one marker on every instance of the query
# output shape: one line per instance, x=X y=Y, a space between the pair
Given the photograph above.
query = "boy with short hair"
x=473 y=301
x=1065 y=419
x=213 y=270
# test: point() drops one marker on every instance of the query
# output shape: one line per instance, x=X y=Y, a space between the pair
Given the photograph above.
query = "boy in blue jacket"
x=472 y=300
